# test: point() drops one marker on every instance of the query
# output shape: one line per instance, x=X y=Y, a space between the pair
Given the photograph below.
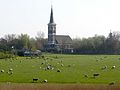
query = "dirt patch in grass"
x=57 y=87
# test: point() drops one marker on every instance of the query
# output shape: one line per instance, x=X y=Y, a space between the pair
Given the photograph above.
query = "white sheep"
x=103 y=68
x=2 y=71
x=45 y=81
x=48 y=67
x=113 y=67
x=10 y=69
x=10 y=73
x=52 y=68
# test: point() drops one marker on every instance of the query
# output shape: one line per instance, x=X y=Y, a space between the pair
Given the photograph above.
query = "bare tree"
x=40 y=39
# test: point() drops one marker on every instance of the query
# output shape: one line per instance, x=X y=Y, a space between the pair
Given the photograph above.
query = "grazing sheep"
x=52 y=68
x=58 y=70
x=10 y=73
x=2 y=71
x=103 y=68
x=48 y=67
x=35 y=79
x=10 y=69
x=96 y=74
x=45 y=81
x=112 y=83
x=85 y=75
x=113 y=67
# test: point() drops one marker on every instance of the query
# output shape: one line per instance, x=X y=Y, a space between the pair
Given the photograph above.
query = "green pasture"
x=72 y=69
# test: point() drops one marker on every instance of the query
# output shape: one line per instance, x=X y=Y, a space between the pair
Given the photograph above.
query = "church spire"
x=51 y=16
x=51 y=29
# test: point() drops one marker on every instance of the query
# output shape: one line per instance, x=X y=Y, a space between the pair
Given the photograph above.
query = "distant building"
x=58 y=43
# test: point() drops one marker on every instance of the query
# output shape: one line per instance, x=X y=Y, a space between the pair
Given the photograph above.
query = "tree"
x=24 y=41
x=76 y=43
x=3 y=44
x=32 y=44
x=40 y=41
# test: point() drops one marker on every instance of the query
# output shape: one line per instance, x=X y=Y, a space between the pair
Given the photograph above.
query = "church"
x=57 y=43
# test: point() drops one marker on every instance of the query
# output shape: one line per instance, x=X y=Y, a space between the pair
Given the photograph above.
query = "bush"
x=4 y=55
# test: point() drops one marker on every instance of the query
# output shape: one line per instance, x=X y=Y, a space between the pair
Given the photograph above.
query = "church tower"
x=51 y=29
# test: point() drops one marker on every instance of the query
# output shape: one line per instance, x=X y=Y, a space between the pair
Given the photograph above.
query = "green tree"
x=24 y=40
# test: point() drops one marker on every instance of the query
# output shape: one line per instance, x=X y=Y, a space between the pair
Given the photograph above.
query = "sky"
x=77 y=18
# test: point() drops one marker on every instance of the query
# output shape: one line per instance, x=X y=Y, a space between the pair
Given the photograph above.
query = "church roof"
x=51 y=16
x=63 y=39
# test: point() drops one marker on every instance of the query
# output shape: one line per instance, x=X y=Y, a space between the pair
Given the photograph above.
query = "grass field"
x=63 y=69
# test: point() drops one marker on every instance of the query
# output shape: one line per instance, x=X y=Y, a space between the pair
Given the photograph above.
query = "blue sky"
x=77 y=18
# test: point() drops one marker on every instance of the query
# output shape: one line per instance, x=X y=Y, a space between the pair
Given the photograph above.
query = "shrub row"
x=5 y=55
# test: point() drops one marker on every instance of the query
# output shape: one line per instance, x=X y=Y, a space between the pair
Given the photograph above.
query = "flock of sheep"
x=10 y=71
x=46 y=66
x=105 y=67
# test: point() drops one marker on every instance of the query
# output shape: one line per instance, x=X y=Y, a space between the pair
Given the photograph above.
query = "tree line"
x=22 y=42
x=98 y=44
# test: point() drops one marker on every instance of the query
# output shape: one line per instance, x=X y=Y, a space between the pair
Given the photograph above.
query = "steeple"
x=51 y=29
x=51 y=16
